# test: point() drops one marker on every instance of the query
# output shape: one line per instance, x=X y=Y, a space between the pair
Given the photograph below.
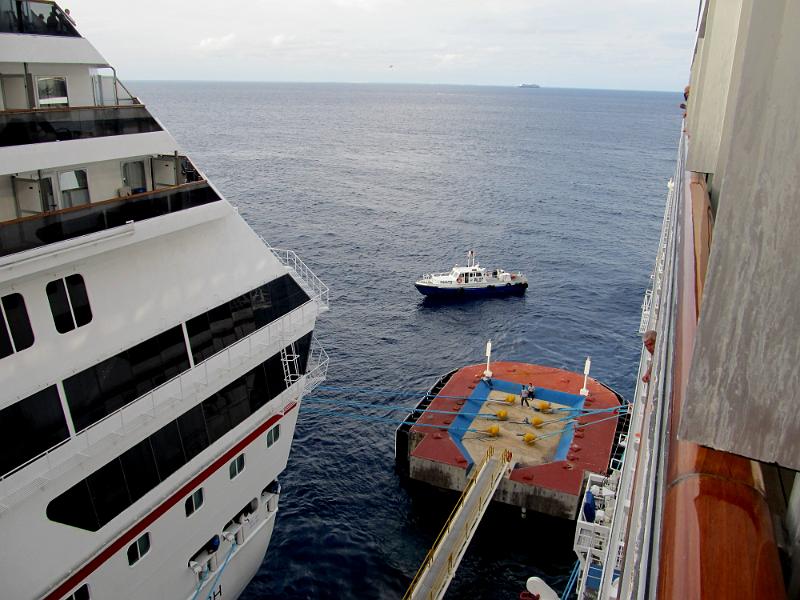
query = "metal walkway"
x=440 y=564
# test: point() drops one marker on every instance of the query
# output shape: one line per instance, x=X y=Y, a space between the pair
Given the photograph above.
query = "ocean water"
x=375 y=184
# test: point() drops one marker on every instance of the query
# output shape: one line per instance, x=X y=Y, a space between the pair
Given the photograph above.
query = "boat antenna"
x=584 y=391
x=488 y=373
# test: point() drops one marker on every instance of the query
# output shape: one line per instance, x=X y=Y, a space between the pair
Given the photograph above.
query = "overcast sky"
x=614 y=44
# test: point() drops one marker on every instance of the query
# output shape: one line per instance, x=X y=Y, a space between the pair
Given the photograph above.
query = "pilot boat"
x=472 y=280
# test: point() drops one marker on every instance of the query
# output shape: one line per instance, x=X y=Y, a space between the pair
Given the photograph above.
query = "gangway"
x=442 y=560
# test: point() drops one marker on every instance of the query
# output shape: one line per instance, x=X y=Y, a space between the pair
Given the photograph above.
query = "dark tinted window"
x=6 y=349
x=109 y=491
x=223 y=325
x=59 y=306
x=69 y=303
x=82 y=593
x=18 y=322
x=111 y=384
x=31 y=426
x=192 y=426
x=74 y=507
x=168 y=450
x=79 y=299
x=139 y=469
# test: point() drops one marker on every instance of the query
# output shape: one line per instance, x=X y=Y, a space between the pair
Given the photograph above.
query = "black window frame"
x=191 y=505
x=234 y=465
x=16 y=331
x=69 y=302
x=137 y=546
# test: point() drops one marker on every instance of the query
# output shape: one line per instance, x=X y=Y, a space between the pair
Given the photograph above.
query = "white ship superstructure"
x=154 y=350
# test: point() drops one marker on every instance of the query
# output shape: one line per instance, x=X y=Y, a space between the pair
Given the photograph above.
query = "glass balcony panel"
x=20 y=128
x=48 y=228
x=40 y=18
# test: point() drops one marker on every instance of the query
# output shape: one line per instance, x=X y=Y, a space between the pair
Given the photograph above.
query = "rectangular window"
x=273 y=435
x=52 y=91
x=15 y=327
x=69 y=303
x=236 y=466
x=194 y=501
x=138 y=549
x=31 y=426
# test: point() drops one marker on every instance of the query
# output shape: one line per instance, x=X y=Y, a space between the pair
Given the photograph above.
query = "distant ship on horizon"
x=529 y=85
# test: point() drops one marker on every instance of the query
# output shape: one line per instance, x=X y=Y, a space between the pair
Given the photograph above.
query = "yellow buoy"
x=529 y=438
x=543 y=406
x=501 y=415
x=510 y=398
x=494 y=430
x=537 y=421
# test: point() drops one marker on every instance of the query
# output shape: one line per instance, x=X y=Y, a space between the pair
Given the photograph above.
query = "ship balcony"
x=35 y=126
x=165 y=402
x=38 y=18
x=42 y=229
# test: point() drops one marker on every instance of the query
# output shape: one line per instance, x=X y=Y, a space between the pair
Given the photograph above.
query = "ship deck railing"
x=170 y=398
x=317 y=367
x=312 y=284
x=642 y=462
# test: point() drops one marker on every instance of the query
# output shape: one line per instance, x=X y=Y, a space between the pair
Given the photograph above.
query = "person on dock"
x=531 y=391
x=523 y=397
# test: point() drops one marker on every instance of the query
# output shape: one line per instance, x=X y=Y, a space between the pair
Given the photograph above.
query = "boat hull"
x=505 y=289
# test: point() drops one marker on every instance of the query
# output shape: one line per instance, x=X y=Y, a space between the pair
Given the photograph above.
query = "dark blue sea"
x=375 y=184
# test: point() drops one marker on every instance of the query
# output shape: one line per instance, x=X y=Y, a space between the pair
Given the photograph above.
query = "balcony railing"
x=51 y=227
x=171 y=397
x=19 y=128
x=29 y=16
x=311 y=283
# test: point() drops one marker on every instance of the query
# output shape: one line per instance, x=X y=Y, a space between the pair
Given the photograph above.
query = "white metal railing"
x=646 y=303
x=626 y=549
x=212 y=373
x=317 y=366
x=311 y=283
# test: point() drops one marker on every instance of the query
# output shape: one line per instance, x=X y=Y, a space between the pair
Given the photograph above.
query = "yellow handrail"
x=470 y=522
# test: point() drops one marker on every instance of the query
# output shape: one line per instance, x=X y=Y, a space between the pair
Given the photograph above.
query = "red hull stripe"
x=81 y=574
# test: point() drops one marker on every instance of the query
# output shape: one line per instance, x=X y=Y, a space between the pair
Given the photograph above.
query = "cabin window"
x=138 y=549
x=236 y=466
x=273 y=435
x=82 y=593
x=52 y=91
x=15 y=326
x=69 y=303
x=194 y=501
x=74 y=188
